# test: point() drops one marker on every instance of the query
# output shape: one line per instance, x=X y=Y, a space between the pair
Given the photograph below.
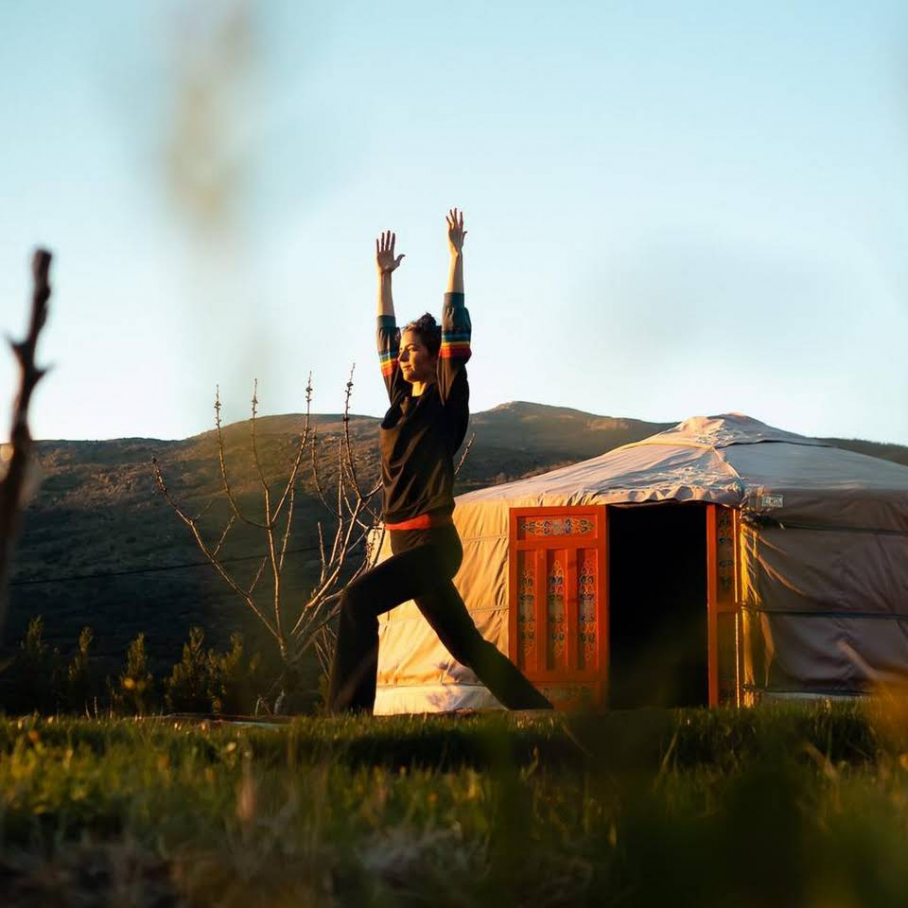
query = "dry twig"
x=463 y=456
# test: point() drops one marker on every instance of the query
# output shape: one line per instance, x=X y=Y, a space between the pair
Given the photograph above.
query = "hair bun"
x=429 y=331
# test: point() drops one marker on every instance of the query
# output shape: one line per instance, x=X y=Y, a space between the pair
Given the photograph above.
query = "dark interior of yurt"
x=658 y=607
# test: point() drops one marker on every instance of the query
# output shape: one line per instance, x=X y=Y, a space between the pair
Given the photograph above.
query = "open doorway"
x=658 y=628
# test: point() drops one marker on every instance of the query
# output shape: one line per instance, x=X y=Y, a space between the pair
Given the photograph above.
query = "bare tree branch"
x=13 y=483
x=338 y=560
x=200 y=541
x=286 y=538
x=344 y=480
x=316 y=478
x=258 y=576
x=205 y=509
x=230 y=522
x=300 y=450
x=255 y=452
x=223 y=465
x=324 y=644
x=321 y=553
x=351 y=467
x=463 y=456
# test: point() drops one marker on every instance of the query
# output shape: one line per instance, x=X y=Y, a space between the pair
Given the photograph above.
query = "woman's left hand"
x=456 y=233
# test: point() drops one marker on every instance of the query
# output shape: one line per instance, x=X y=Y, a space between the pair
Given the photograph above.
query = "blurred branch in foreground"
x=18 y=454
x=208 y=145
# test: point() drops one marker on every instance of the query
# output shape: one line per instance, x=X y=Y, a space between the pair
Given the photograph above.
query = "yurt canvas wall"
x=805 y=569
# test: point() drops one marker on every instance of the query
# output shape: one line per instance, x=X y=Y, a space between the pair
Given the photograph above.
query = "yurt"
x=720 y=562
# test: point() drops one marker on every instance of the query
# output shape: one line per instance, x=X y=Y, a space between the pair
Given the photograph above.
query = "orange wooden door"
x=558 y=601
x=724 y=605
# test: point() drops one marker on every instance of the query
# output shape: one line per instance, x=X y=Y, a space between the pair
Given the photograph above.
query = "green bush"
x=81 y=688
x=34 y=673
x=234 y=681
x=133 y=693
x=205 y=681
x=38 y=679
x=186 y=690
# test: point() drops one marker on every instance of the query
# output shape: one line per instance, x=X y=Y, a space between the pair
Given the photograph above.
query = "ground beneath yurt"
x=786 y=806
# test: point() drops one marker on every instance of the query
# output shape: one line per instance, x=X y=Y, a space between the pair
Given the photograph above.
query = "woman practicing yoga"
x=425 y=374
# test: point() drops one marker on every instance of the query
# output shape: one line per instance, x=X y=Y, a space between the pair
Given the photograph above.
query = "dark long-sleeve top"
x=420 y=435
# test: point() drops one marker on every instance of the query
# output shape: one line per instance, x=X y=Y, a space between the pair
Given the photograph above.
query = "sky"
x=673 y=208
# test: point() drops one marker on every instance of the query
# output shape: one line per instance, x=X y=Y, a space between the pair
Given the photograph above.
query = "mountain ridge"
x=97 y=511
x=526 y=409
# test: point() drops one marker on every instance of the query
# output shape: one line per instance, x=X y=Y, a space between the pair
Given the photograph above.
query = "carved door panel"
x=558 y=601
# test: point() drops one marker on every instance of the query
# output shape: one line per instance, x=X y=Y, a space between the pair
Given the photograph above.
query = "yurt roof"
x=730 y=459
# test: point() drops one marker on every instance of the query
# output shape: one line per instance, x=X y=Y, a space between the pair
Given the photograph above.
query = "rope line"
x=150 y=570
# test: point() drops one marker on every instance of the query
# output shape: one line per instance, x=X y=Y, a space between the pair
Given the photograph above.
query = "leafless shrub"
x=349 y=539
x=345 y=546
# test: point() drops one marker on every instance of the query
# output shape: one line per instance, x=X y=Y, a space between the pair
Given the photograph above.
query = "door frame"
x=722 y=596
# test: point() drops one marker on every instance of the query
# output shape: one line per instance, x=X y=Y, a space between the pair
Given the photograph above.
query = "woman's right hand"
x=384 y=253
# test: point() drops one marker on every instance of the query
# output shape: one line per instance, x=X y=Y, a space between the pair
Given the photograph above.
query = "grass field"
x=776 y=806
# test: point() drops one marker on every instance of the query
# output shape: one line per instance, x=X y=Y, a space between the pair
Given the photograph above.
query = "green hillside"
x=97 y=512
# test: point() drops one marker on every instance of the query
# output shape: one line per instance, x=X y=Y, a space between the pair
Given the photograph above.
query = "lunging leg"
x=405 y=576
x=445 y=611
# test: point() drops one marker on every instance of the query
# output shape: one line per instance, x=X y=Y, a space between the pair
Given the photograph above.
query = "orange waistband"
x=423 y=522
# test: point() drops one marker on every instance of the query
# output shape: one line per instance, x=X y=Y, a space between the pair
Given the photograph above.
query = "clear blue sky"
x=673 y=208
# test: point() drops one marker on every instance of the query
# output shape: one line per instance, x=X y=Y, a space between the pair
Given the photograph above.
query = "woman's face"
x=416 y=363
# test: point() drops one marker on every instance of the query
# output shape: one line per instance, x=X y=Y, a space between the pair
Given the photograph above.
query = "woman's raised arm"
x=388 y=337
x=386 y=263
x=455 y=328
x=456 y=233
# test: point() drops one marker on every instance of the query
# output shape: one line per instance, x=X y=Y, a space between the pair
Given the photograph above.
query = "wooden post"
x=603 y=607
x=712 y=605
x=513 y=594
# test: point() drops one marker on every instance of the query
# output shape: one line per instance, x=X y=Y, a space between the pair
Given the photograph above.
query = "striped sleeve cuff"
x=388 y=342
x=388 y=362
x=455 y=329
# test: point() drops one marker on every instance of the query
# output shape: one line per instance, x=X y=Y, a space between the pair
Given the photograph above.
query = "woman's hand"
x=384 y=253
x=456 y=233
